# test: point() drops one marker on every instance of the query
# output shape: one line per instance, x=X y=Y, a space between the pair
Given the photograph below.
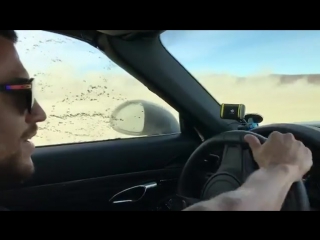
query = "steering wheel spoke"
x=232 y=158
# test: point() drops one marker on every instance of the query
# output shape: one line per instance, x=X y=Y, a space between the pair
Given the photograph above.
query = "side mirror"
x=142 y=118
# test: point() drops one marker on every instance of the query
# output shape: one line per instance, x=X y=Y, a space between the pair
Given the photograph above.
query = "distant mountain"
x=287 y=78
x=282 y=78
x=310 y=78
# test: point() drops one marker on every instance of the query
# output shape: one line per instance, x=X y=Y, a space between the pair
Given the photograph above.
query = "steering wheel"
x=236 y=165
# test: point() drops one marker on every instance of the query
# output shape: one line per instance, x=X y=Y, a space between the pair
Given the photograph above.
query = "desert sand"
x=79 y=110
x=78 y=86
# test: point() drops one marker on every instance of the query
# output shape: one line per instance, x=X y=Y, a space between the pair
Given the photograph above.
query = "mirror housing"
x=142 y=118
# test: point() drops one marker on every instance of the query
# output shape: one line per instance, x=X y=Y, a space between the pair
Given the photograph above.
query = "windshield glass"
x=273 y=73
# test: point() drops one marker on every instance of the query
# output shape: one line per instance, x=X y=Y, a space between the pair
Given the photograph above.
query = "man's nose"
x=37 y=114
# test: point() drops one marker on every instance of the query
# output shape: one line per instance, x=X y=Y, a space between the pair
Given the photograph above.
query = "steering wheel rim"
x=233 y=170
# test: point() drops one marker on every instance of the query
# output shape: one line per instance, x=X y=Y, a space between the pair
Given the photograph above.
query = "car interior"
x=171 y=162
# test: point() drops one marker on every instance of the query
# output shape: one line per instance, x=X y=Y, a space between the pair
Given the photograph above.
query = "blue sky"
x=246 y=52
x=234 y=52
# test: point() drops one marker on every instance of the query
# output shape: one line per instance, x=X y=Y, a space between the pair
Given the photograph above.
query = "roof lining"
x=123 y=32
x=91 y=36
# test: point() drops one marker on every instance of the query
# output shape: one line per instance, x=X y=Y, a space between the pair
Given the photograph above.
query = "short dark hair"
x=11 y=35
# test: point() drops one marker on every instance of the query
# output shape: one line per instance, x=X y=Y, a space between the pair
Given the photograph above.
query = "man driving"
x=282 y=159
x=19 y=113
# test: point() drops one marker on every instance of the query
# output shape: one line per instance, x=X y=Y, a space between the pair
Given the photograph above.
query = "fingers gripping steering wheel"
x=236 y=165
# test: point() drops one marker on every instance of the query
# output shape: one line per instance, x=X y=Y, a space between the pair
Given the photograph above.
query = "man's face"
x=17 y=125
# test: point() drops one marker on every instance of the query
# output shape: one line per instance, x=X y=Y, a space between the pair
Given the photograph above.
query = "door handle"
x=132 y=194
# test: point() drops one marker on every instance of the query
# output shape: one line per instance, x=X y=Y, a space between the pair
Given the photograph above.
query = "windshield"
x=273 y=73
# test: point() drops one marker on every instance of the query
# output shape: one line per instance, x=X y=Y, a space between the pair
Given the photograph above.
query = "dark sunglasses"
x=21 y=87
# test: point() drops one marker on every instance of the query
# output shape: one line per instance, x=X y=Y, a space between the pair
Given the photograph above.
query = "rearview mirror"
x=142 y=118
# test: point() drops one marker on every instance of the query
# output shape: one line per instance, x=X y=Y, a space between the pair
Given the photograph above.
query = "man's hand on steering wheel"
x=281 y=149
x=282 y=161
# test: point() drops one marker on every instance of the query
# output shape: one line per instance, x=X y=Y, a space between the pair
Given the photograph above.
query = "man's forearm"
x=265 y=189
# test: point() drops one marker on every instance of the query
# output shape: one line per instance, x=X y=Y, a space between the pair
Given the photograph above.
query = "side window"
x=86 y=96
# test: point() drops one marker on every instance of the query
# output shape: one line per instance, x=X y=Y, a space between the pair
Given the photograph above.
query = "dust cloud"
x=79 y=102
x=79 y=108
x=278 y=98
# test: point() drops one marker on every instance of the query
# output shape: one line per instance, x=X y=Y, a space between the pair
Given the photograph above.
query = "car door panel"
x=86 y=176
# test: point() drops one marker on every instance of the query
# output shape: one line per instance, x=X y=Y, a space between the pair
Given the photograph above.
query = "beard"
x=15 y=167
x=15 y=158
